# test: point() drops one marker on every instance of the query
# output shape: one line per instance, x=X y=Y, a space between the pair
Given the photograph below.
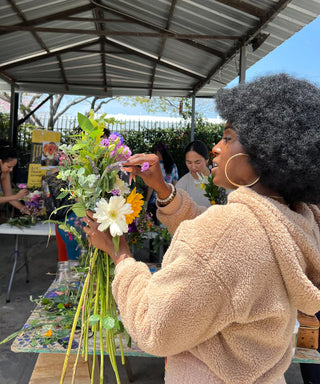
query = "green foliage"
x=4 y=125
x=163 y=237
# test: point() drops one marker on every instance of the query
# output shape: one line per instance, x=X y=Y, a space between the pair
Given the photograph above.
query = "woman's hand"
x=153 y=176
x=103 y=240
x=21 y=194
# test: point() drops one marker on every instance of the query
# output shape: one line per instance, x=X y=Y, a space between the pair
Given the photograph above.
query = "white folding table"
x=39 y=229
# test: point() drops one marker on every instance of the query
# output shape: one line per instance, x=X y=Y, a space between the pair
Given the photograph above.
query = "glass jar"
x=63 y=274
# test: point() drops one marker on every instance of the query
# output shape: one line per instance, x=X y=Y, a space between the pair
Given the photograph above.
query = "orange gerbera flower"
x=136 y=201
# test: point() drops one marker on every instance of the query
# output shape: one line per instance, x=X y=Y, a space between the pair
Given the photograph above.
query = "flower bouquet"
x=91 y=168
x=31 y=211
x=215 y=194
x=34 y=204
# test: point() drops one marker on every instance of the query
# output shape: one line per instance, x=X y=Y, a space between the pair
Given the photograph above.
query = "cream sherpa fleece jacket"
x=223 y=306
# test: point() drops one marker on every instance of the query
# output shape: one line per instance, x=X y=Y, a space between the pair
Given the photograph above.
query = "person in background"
x=197 y=158
x=223 y=306
x=8 y=160
x=169 y=173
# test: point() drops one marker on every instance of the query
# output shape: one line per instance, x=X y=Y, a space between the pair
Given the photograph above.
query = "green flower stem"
x=76 y=317
x=102 y=314
x=121 y=350
x=95 y=327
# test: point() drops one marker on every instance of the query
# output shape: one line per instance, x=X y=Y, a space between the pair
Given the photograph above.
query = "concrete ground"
x=16 y=368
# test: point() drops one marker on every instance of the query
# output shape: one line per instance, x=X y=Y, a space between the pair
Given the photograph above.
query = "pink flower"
x=145 y=167
x=22 y=186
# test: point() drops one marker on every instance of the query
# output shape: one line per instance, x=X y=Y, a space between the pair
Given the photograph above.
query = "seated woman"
x=197 y=158
x=8 y=160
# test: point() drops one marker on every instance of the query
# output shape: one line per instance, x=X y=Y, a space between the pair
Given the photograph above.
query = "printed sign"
x=44 y=155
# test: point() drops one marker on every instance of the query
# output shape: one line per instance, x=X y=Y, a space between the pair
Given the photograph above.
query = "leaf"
x=60 y=306
x=62 y=194
x=94 y=319
x=119 y=325
x=108 y=322
x=85 y=123
x=128 y=338
x=79 y=209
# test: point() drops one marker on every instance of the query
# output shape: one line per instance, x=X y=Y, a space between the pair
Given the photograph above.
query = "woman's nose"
x=216 y=150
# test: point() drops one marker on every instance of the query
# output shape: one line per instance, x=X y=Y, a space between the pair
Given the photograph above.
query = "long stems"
x=98 y=309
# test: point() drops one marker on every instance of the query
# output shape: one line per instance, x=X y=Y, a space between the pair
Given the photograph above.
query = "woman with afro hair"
x=223 y=306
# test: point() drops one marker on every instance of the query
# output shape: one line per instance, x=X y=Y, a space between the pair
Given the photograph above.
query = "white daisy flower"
x=202 y=180
x=112 y=215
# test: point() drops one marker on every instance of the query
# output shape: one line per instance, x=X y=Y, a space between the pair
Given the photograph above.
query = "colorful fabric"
x=73 y=250
x=224 y=304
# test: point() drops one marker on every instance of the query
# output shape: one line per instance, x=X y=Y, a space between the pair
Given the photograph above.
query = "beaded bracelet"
x=164 y=202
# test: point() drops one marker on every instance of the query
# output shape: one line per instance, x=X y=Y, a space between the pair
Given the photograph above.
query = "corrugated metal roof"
x=139 y=47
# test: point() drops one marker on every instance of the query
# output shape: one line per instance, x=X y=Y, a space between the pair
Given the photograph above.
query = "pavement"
x=16 y=368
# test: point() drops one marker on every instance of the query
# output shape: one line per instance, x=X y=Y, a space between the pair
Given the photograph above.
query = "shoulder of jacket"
x=217 y=219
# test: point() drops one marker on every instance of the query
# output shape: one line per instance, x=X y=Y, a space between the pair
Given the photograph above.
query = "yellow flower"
x=213 y=202
x=48 y=333
x=136 y=201
x=134 y=240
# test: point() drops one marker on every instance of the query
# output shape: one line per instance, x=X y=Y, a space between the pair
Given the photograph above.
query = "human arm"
x=180 y=208
x=149 y=194
x=9 y=197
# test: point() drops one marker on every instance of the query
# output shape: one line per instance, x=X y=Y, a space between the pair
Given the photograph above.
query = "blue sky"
x=298 y=56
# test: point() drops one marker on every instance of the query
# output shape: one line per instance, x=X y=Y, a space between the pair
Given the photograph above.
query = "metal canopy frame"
x=174 y=48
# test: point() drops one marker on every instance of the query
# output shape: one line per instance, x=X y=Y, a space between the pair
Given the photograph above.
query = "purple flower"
x=114 y=167
x=132 y=227
x=116 y=135
x=145 y=167
x=105 y=142
x=126 y=153
x=93 y=166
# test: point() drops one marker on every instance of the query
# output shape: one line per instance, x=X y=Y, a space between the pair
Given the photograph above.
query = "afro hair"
x=277 y=120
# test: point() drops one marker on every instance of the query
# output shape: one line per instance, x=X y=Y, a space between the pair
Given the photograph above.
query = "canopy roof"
x=139 y=47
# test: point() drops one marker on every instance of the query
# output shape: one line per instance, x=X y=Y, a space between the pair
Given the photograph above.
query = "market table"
x=39 y=229
x=30 y=342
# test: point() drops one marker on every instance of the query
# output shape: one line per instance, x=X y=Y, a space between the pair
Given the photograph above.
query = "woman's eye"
x=226 y=138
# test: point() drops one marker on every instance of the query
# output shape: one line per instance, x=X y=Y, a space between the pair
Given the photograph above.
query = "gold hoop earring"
x=226 y=173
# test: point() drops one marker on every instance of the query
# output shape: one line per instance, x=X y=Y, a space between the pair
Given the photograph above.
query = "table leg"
x=16 y=254
x=26 y=261
x=15 y=260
